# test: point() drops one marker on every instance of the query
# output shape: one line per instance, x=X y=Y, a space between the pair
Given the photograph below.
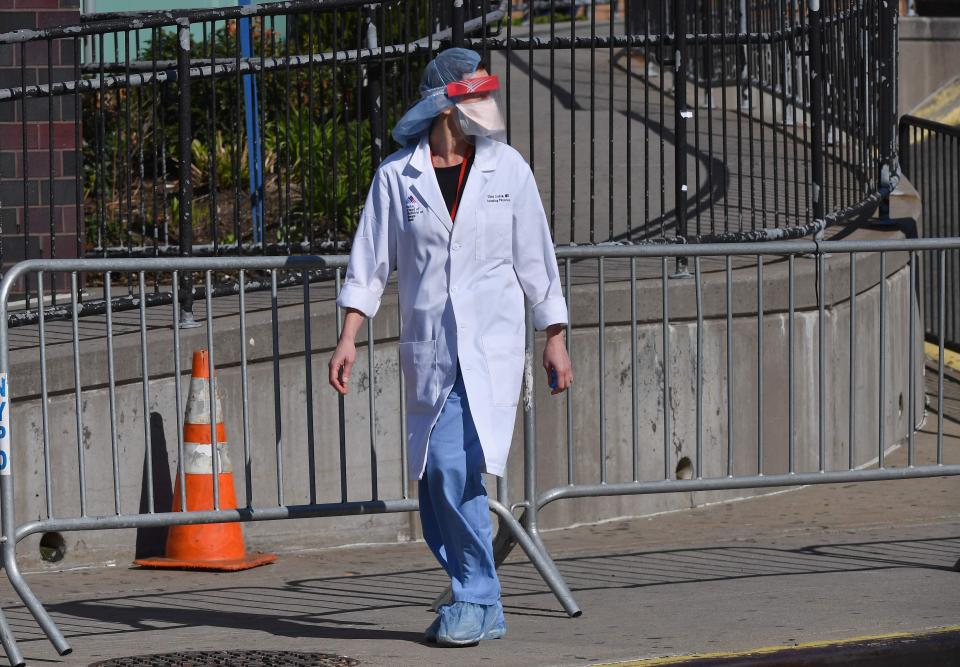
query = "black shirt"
x=447 y=178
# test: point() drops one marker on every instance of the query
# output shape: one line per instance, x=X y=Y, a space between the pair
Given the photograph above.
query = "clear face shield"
x=479 y=107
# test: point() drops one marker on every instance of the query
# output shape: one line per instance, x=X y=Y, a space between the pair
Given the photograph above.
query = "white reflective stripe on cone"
x=198 y=458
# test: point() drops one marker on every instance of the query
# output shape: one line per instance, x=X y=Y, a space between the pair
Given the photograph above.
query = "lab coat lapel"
x=427 y=190
x=425 y=187
x=484 y=162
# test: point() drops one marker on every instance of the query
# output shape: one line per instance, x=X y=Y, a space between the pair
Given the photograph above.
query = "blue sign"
x=4 y=427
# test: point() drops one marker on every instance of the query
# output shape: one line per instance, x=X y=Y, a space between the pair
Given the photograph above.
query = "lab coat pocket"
x=504 y=356
x=495 y=235
x=419 y=364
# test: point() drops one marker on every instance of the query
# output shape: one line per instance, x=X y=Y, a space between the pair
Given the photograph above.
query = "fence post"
x=888 y=114
x=680 y=115
x=185 y=139
x=529 y=519
x=457 y=20
x=816 y=109
x=8 y=521
x=374 y=78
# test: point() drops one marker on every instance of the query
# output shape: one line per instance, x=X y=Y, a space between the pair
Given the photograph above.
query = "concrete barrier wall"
x=774 y=419
x=121 y=545
x=929 y=53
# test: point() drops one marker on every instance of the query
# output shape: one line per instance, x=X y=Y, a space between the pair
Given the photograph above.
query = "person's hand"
x=340 y=364
x=556 y=360
x=346 y=353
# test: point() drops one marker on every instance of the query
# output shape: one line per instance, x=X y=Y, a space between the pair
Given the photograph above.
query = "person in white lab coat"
x=457 y=213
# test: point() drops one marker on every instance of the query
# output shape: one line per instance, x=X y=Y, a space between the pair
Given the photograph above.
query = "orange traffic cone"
x=211 y=546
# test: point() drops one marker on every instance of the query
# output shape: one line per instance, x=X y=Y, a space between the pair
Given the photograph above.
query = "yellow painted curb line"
x=680 y=659
x=942 y=105
x=951 y=359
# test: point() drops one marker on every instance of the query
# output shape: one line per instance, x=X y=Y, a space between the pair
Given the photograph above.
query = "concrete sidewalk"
x=810 y=564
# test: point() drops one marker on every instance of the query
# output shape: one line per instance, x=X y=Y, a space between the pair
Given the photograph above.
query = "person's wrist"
x=555 y=330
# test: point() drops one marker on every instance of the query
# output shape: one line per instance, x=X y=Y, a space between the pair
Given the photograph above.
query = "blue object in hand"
x=553 y=379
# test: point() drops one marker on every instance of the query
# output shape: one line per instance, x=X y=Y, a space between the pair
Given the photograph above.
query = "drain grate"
x=231 y=659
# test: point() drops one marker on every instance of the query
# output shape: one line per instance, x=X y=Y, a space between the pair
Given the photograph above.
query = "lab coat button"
x=453 y=290
x=456 y=246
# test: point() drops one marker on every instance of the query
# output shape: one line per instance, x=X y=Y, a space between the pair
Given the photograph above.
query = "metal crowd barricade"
x=634 y=321
x=844 y=270
x=929 y=154
x=155 y=353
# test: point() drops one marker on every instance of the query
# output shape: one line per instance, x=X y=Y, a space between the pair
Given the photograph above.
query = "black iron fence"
x=930 y=158
x=256 y=129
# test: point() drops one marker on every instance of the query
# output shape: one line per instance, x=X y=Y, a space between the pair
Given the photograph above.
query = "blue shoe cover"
x=461 y=624
x=431 y=632
x=494 y=625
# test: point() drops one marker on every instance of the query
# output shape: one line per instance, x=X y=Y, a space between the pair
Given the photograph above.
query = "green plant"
x=205 y=164
x=327 y=195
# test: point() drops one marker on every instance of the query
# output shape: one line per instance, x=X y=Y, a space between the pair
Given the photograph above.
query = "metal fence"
x=256 y=129
x=772 y=364
x=930 y=158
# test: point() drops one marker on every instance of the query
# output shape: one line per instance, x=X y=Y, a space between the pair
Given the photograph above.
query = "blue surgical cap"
x=449 y=66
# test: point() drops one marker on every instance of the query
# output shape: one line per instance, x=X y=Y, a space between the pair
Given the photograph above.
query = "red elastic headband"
x=480 y=84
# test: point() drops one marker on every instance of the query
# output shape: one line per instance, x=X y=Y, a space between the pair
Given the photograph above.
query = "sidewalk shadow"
x=323 y=608
x=685 y=566
x=125 y=619
x=341 y=607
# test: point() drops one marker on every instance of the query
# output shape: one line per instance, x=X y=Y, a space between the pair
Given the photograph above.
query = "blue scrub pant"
x=453 y=503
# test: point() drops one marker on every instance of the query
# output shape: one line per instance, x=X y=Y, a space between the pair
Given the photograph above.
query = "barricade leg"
x=503 y=542
x=34 y=605
x=9 y=643
x=539 y=557
x=534 y=534
x=19 y=583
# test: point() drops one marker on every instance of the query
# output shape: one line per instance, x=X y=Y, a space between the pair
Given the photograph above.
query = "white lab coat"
x=461 y=286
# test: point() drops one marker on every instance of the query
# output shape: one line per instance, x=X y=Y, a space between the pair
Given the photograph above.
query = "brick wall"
x=49 y=130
